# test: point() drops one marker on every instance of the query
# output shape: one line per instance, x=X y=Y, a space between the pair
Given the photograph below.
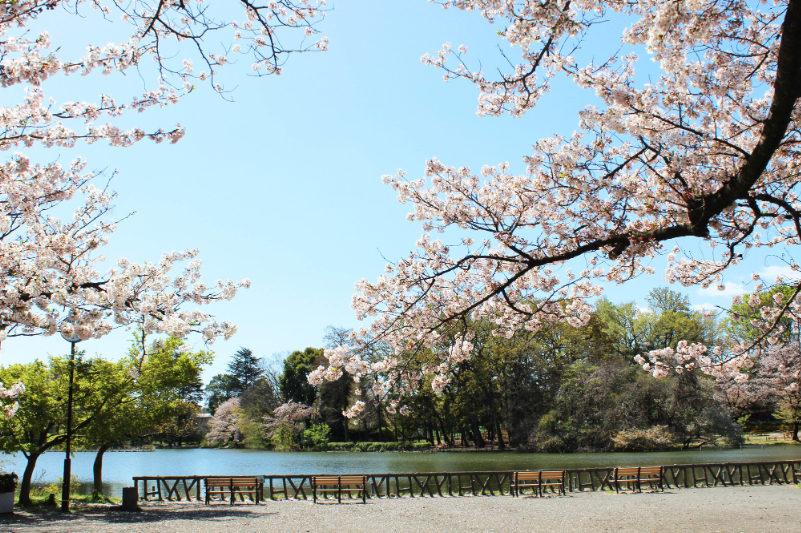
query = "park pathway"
x=768 y=509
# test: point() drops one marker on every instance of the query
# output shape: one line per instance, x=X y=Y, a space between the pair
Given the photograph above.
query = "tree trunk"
x=25 y=485
x=97 y=469
x=446 y=437
x=465 y=437
x=380 y=421
x=501 y=445
x=478 y=439
x=795 y=431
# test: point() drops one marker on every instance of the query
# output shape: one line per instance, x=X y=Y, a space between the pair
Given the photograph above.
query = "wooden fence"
x=440 y=484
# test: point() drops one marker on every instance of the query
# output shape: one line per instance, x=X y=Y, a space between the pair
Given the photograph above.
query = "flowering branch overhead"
x=709 y=150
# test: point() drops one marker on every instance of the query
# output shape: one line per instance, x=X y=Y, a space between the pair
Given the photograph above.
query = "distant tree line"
x=560 y=389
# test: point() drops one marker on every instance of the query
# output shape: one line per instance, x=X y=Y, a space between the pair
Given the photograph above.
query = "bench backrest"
x=544 y=474
x=553 y=474
x=651 y=471
x=629 y=471
x=345 y=480
x=236 y=480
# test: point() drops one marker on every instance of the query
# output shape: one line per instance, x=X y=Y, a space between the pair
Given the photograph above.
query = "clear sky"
x=283 y=185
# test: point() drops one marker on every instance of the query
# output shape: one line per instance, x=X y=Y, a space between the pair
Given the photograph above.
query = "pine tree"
x=245 y=368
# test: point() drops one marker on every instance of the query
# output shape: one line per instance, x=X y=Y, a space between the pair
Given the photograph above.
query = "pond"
x=120 y=467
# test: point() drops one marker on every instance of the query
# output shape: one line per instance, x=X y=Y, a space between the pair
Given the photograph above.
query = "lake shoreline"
x=119 y=469
x=747 y=509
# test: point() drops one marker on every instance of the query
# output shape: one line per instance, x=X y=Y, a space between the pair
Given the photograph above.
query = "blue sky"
x=283 y=185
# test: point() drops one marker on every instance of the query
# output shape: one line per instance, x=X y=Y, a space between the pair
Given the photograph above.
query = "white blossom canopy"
x=709 y=150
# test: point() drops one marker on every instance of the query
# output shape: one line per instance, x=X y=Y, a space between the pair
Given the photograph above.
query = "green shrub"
x=340 y=446
x=8 y=482
x=316 y=437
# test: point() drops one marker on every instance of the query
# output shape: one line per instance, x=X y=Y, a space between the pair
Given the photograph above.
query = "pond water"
x=120 y=467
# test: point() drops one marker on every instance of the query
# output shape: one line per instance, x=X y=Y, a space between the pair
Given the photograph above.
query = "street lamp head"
x=69 y=338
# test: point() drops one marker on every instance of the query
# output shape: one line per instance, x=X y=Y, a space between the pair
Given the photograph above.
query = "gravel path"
x=770 y=509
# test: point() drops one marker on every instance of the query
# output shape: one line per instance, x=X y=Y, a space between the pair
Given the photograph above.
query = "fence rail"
x=441 y=484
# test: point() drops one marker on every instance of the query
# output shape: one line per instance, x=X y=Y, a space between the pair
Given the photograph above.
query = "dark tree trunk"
x=97 y=469
x=477 y=438
x=380 y=421
x=25 y=485
x=795 y=431
x=465 y=437
x=446 y=437
x=501 y=445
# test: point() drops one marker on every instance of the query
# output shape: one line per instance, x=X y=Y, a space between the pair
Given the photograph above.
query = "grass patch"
x=45 y=503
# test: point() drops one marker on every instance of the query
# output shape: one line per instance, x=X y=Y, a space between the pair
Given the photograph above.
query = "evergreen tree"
x=246 y=369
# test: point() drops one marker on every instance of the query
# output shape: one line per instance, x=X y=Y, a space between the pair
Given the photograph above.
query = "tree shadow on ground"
x=114 y=515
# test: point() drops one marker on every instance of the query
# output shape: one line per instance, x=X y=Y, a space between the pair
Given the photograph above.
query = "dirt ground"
x=769 y=509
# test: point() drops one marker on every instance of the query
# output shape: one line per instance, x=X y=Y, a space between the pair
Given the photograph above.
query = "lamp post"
x=65 y=486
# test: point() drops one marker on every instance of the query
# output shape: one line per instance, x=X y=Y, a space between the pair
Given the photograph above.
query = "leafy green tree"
x=293 y=382
x=221 y=388
x=158 y=389
x=259 y=400
x=739 y=324
x=40 y=423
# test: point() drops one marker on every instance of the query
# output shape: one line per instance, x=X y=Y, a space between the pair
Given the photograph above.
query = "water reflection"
x=119 y=467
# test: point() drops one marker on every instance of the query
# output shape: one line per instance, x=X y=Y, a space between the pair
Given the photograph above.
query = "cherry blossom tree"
x=286 y=425
x=707 y=149
x=775 y=379
x=225 y=427
x=49 y=268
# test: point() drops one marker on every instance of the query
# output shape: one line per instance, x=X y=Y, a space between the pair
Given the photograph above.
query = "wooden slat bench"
x=637 y=475
x=338 y=485
x=232 y=485
x=538 y=480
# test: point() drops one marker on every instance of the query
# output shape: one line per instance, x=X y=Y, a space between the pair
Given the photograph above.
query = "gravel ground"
x=770 y=509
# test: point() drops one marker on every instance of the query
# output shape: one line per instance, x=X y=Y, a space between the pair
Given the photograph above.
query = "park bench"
x=338 y=485
x=538 y=480
x=637 y=475
x=232 y=485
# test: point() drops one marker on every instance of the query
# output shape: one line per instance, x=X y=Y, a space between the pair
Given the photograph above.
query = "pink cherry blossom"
x=709 y=150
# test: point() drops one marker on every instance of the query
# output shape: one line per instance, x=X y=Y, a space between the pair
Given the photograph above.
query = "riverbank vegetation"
x=562 y=389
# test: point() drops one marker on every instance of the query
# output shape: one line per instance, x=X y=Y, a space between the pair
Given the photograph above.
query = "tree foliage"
x=707 y=149
x=48 y=267
x=245 y=368
x=294 y=382
x=40 y=424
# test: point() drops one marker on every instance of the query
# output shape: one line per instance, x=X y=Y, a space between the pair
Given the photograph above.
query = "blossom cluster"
x=10 y=393
x=290 y=416
x=710 y=149
x=775 y=376
x=49 y=266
